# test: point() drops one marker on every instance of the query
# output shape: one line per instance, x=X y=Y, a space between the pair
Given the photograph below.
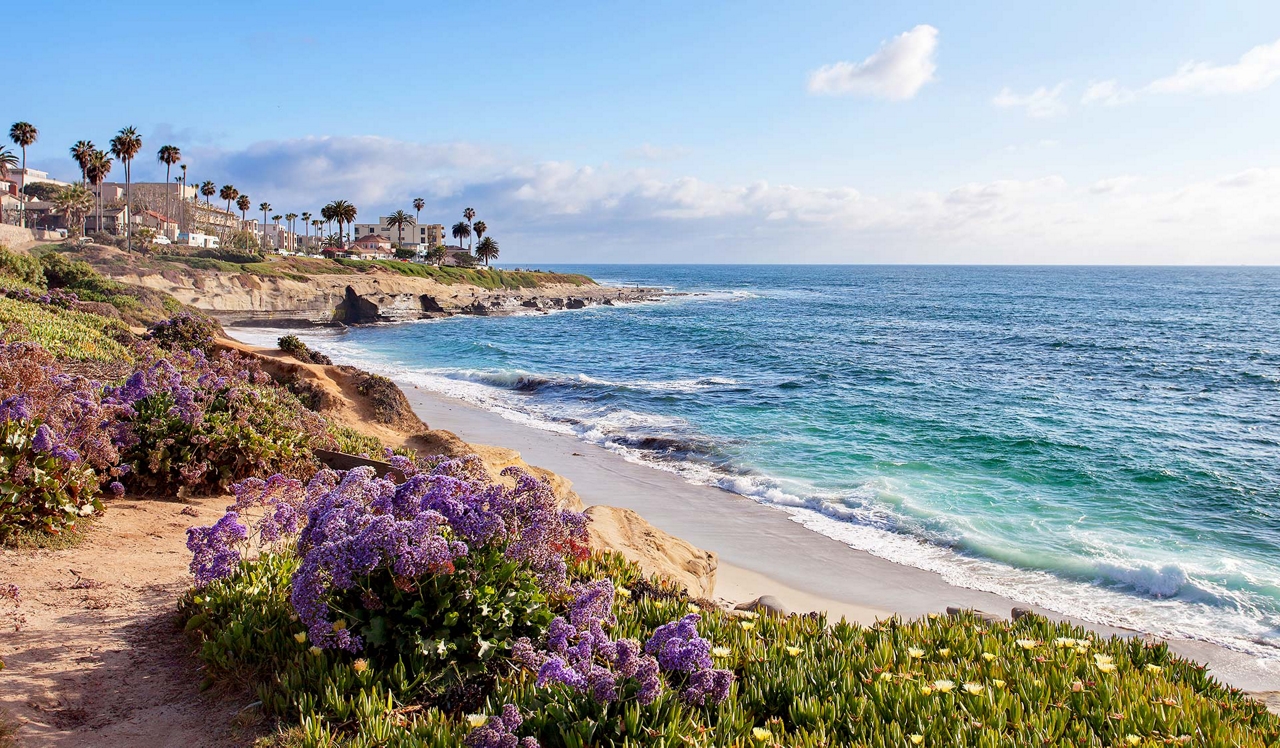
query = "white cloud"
x=1107 y=93
x=1257 y=69
x=1042 y=102
x=547 y=211
x=1112 y=184
x=896 y=71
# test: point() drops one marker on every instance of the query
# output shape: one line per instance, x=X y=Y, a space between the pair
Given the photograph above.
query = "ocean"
x=1103 y=442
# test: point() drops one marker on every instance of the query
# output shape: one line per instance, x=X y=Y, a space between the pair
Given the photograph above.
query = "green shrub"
x=67 y=334
x=231 y=255
x=353 y=442
x=293 y=345
x=23 y=268
x=186 y=331
x=41 y=486
x=483 y=277
x=390 y=406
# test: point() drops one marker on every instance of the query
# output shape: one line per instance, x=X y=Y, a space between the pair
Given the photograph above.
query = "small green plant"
x=21 y=267
x=185 y=332
x=293 y=345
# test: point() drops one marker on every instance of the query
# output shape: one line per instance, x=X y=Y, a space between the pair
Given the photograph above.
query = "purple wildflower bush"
x=57 y=451
x=54 y=297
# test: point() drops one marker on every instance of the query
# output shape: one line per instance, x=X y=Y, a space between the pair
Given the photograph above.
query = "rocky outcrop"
x=245 y=299
x=655 y=551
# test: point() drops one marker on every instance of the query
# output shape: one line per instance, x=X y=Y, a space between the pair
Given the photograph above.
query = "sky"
x=811 y=132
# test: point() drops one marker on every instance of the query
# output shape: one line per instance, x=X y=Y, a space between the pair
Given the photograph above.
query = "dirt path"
x=98 y=658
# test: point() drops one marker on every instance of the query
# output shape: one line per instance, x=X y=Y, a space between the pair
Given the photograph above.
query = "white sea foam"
x=862 y=518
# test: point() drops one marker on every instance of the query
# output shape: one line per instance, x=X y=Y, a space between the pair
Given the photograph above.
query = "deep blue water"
x=1103 y=441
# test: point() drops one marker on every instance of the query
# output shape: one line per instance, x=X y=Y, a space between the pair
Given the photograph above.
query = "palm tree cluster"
x=486 y=248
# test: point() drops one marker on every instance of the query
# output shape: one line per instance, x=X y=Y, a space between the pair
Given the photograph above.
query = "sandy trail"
x=98 y=658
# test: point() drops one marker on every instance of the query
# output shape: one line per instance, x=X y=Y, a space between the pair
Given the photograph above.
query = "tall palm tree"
x=168 y=155
x=487 y=250
x=208 y=189
x=469 y=214
x=243 y=204
x=290 y=218
x=479 y=228
x=264 y=207
x=182 y=198
x=74 y=203
x=400 y=219
x=228 y=193
x=461 y=230
x=418 y=205
x=96 y=171
x=23 y=134
x=306 y=226
x=316 y=224
x=82 y=151
x=125 y=146
x=8 y=160
x=344 y=213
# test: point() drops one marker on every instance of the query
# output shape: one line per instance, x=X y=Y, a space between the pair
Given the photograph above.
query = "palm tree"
x=82 y=151
x=418 y=205
x=487 y=250
x=400 y=219
x=290 y=218
x=306 y=227
x=8 y=160
x=168 y=155
x=208 y=189
x=479 y=228
x=96 y=171
x=317 y=224
x=243 y=204
x=264 y=207
x=23 y=134
x=74 y=203
x=125 y=146
x=344 y=213
x=468 y=214
x=461 y=230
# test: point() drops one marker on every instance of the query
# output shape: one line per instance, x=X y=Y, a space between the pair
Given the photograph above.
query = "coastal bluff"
x=362 y=298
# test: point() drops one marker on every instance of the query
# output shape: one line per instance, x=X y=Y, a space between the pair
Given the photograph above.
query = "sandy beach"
x=761 y=550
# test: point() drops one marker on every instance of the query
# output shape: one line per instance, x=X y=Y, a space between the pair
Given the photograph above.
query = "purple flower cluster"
x=55 y=297
x=500 y=732
x=216 y=550
x=679 y=649
x=580 y=655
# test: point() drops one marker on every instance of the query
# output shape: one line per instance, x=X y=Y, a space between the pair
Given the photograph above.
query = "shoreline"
x=764 y=551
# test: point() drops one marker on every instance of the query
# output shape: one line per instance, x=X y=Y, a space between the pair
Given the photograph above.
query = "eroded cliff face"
x=242 y=298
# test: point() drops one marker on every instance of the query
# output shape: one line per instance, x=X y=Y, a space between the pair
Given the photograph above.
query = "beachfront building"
x=204 y=241
x=373 y=246
x=421 y=236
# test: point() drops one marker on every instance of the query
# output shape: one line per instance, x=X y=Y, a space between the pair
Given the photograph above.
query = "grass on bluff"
x=67 y=334
x=482 y=277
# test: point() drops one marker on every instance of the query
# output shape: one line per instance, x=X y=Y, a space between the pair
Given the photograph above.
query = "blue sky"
x=745 y=131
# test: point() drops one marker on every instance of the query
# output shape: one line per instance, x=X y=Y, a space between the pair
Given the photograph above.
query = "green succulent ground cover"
x=800 y=681
x=65 y=333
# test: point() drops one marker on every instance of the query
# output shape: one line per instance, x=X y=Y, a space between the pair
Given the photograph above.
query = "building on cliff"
x=420 y=236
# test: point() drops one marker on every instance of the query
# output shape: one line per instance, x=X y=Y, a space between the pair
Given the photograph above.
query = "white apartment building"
x=422 y=235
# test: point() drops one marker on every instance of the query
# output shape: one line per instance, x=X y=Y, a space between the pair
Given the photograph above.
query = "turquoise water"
x=1102 y=441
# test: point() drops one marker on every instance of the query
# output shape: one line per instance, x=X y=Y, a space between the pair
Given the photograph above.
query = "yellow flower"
x=339 y=625
x=934 y=615
x=721 y=651
x=944 y=686
x=926 y=690
x=316 y=650
x=973 y=688
x=197 y=599
x=360 y=665
x=794 y=651
x=1132 y=739
x=917 y=739
x=759 y=734
x=1153 y=668
x=1064 y=641
x=944 y=651
x=693 y=608
x=477 y=720
x=886 y=675
x=915 y=653
x=622 y=592
x=748 y=614
x=300 y=637
x=1106 y=667
x=988 y=656
x=1028 y=643
x=746 y=625
x=998 y=683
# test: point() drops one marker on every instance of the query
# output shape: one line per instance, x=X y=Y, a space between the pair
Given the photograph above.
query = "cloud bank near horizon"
x=560 y=211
